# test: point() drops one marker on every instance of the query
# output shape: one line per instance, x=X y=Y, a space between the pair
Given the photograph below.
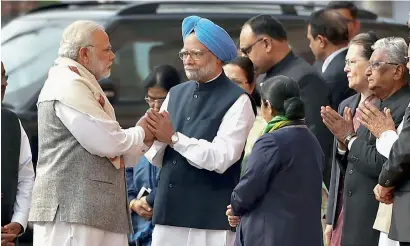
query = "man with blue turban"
x=201 y=132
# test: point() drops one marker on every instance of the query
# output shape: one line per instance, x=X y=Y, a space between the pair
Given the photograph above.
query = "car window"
x=27 y=58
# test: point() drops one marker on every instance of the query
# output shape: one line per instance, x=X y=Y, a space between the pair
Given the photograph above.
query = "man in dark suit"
x=361 y=162
x=17 y=174
x=349 y=11
x=328 y=39
x=394 y=179
x=264 y=40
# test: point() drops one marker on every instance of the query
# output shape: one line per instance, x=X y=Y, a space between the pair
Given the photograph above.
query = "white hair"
x=395 y=47
x=76 y=36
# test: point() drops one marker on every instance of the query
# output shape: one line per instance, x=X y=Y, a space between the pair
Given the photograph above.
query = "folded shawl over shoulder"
x=73 y=85
x=214 y=37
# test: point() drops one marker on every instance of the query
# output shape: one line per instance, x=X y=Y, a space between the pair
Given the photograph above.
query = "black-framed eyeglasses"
x=377 y=64
x=151 y=100
x=194 y=54
x=248 y=49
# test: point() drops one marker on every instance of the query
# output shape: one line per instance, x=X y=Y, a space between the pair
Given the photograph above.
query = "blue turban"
x=214 y=37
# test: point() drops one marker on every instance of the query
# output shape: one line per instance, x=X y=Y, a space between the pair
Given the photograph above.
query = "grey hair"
x=77 y=35
x=395 y=47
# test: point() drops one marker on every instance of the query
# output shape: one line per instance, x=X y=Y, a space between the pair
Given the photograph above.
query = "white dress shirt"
x=331 y=57
x=25 y=182
x=102 y=137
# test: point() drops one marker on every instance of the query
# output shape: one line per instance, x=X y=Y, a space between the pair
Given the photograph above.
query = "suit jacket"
x=362 y=165
x=396 y=172
x=314 y=93
x=336 y=79
x=284 y=171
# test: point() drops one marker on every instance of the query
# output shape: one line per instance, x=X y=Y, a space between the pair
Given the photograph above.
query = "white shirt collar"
x=330 y=58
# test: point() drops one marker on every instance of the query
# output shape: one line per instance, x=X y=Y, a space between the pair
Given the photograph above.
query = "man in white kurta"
x=79 y=195
x=201 y=136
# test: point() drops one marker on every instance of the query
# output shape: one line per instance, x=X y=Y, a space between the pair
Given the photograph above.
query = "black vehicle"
x=143 y=35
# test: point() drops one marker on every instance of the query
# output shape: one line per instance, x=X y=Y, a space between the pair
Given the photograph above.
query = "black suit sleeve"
x=315 y=93
x=365 y=158
x=397 y=167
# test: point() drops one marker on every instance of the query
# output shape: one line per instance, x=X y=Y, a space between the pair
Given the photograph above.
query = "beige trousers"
x=68 y=234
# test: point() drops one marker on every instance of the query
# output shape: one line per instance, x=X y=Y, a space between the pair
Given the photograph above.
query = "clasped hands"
x=370 y=117
x=340 y=126
x=157 y=126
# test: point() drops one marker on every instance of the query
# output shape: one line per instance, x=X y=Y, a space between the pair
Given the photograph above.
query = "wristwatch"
x=349 y=137
x=174 y=139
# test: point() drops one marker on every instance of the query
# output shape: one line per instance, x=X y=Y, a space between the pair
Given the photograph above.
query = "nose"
x=188 y=60
x=346 y=68
x=112 y=55
x=368 y=71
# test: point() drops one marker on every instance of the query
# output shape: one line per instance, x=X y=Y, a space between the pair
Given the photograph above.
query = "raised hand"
x=376 y=121
x=340 y=126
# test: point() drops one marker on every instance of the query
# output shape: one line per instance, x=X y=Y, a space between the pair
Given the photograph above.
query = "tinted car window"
x=27 y=58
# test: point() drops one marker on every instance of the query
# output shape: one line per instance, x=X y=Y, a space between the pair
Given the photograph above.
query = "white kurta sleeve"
x=228 y=144
x=385 y=142
x=25 y=182
x=155 y=154
x=101 y=137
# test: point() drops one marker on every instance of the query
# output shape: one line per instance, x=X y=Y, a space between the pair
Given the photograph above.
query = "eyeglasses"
x=350 y=62
x=151 y=100
x=194 y=54
x=248 y=49
x=377 y=64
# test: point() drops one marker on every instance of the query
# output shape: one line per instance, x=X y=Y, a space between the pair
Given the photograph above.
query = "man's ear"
x=83 y=55
x=268 y=44
x=322 y=41
x=399 y=72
